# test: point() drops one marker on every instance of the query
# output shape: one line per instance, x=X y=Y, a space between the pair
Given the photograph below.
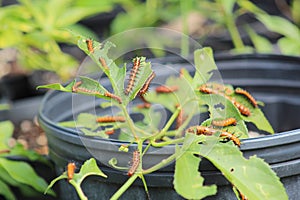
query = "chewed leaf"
x=138 y=77
x=99 y=55
x=89 y=168
x=221 y=108
x=257 y=117
x=241 y=171
x=188 y=181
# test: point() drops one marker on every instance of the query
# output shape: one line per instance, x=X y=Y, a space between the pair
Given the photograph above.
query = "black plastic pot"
x=272 y=79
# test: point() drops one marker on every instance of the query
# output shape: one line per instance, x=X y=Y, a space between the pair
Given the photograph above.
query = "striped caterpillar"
x=220 y=88
x=166 y=89
x=145 y=87
x=179 y=119
x=225 y=122
x=103 y=63
x=76 y=88
x=108 y=119
x=247 y=95
x=133 y=74
x=113 y=96
x=70 y=170
x=89 y=44
x=135 y=163
x=203 y=130
x=243 y=109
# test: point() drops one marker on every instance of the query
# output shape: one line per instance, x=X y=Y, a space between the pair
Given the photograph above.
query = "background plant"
x=188 y=102
x=37 y=28
x=14 y=172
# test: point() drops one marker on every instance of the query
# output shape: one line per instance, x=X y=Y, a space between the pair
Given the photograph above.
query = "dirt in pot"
x=30 y=134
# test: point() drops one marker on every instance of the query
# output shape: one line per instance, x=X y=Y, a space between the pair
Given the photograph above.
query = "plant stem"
x=234 y=33
x=79 y=191
x=162 y=144
x=161 y=164
x=124 y=187
x=168 y=125
x=129 y=121
x=184 y=23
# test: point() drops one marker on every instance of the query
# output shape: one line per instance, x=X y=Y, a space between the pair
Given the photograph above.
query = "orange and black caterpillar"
x=89 y=44
x=180 y=117
x=76 y=88
x=108 y=119
x=226 y=122
x=166 y=89
x=203 y=130
x=243 y=109
x=113 y=96
x=103 y=63
x=133 y=74
x=220 y=88
x=135 y=163
x=70 y=170
x=145 y=87
x=246 y=94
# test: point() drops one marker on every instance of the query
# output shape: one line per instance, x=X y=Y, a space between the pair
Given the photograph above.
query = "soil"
x=30 y=134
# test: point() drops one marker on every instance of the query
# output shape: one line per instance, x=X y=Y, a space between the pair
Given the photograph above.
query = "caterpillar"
x=243 y=109
x=90 y=47
x=225 y=122
x=76 y=88
x=70 y=170
x=220 y=88
x=108 y=119
x=145 y=87
x=133 y=73
x=135 y=163
x=110 y=132
x=203 y=130
x=247 y=95
x=179 y=119
x=4 y=151
x=166 y=89
x=145 y=103
x=103 y=63
x=113 y=96
x=231 y=137
x=203 y=88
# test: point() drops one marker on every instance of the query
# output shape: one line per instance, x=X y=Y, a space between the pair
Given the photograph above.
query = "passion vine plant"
x=217 y=138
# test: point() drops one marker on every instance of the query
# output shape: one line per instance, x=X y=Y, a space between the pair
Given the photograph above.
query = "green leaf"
x=221 y=108
x=257 y=117
x=115 y=74
x=261 y=44
x=240 y=171
x=87 y=169
x=24 y=173
x=6 y=192
x=6 y=131
x=94 y=133
x=289 y=46
x=87 y=120
x=204 y=64
x=58 y=86
x=280 y=25
x=188 y=181
x=141 y=77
